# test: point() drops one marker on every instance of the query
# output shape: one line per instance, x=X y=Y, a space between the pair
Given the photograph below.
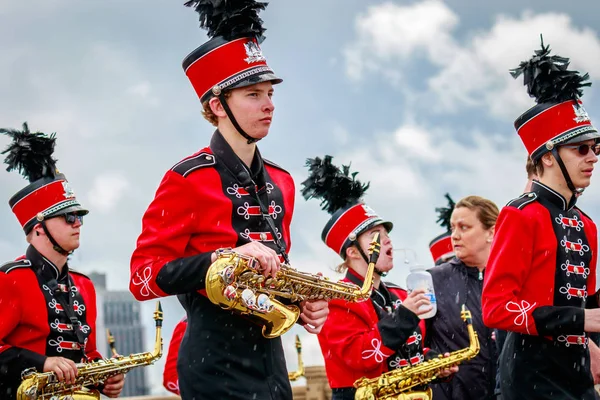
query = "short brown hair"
x=487 y=211
x=530 y=168
x=207 y=112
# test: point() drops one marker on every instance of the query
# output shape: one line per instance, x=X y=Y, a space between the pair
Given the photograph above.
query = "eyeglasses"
x=70 y=218
x=583 y=149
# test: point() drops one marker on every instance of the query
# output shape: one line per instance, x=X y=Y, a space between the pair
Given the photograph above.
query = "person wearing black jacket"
x=457 y=282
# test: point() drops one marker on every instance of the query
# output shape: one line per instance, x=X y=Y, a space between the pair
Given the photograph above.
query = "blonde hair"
x=487 y=211
x=341 y=268
x=207 y=112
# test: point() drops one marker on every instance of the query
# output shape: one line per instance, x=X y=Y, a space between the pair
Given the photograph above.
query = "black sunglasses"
x=70 y=218
x=584 y=149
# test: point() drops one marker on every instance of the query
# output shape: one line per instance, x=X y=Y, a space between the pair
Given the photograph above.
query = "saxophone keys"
x=227 y=274
x=249 y=299
x=264 y=303
x=230 y=292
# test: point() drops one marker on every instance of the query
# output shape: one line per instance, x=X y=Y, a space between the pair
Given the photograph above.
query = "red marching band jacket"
x=34 y=324
x=365 y=340
x=208 y=201
x=525 y=289
x=170 y=377
x=190 y=216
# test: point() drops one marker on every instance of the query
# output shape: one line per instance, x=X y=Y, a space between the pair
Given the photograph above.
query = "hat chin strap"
x=364 y=256
x=565 y=173
x=55 y=244
x=237 y=126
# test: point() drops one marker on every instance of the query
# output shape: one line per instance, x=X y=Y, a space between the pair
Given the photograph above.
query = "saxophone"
x=293 y=376
x=396 y=384
x=111 y=342
x=45 y=386
x=233 y=283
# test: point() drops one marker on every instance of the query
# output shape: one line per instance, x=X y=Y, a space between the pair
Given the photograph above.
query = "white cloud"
x=389 y=32
x=477 y=75
x=417 y=141
x=471 y=74
x=106 y=191
x=408 y=179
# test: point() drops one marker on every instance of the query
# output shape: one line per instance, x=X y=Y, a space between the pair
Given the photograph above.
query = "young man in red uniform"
x=369 y=338
x=225 y=195
x=49 y=311
x=541 y=278
x=170 y=377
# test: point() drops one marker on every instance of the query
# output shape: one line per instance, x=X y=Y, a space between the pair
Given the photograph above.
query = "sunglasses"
x=584 y=149
x=70 y=218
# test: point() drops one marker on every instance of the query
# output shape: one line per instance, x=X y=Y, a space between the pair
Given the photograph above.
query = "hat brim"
x=386 y=224
x=592 y=135
x=78 y=209
x=257 y=78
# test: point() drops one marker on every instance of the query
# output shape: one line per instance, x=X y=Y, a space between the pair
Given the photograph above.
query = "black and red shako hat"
x=347 y=224
x=49 y=194
x=441 y=246
x=232 y=58
x=559 y=116
x=340 y=195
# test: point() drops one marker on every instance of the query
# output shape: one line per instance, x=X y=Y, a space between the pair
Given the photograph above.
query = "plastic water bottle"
x=419 y=278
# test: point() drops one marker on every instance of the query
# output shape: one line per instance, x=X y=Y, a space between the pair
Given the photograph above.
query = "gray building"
x=119 y=312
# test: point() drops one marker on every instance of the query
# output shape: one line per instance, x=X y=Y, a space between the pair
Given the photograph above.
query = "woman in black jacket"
x=457 y=282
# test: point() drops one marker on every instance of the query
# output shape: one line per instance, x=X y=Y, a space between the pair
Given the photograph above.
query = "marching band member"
x=542 y=268
x=170 y=378
x=369 y=338
x=224 y=196
x=48 y=310
x=441 y=246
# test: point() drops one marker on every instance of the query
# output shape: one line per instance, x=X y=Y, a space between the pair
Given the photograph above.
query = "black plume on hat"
x=337 y=188
x=444 y=213
x=30 y=153
x=230 y=18
x=547 y=78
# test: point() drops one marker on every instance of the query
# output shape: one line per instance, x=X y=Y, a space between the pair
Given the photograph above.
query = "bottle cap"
x=416 y=267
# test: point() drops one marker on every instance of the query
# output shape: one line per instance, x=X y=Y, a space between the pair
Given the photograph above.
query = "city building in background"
x=119 y=312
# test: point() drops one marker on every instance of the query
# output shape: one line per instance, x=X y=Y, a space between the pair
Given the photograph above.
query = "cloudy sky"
x=415 y=93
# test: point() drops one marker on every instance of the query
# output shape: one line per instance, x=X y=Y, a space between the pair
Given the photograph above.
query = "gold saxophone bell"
x=397 y=384
x=46 y=386
x=233 y=283
x=293 y=376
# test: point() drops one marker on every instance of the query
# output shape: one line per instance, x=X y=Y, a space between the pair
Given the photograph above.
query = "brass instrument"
x=293 y=376
x=233 y=283
x=45 y=386
x=396 y=384
x=111 y=343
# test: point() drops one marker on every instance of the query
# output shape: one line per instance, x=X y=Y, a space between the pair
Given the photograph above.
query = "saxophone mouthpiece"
x=158 y=314
x=374 y=249
x=466 y=315
x=111 y=342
